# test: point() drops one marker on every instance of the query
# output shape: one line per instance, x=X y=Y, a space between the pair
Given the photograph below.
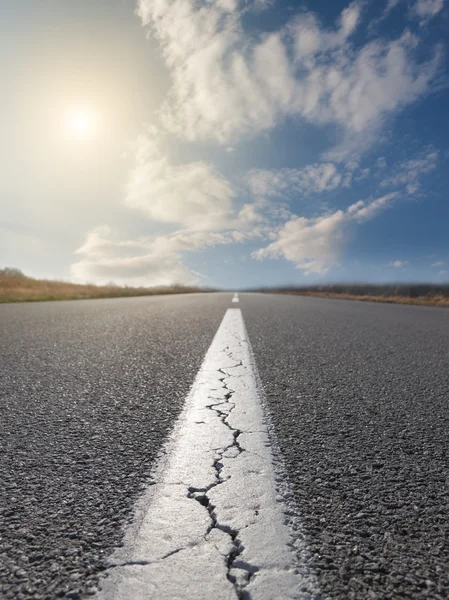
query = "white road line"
x=236 y=298
x=213 y=524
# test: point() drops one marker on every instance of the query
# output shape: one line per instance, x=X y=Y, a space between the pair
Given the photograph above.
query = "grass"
x=16 y=287
x=419 y=294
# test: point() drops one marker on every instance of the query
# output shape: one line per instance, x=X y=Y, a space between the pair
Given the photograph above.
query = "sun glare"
x=81 y=123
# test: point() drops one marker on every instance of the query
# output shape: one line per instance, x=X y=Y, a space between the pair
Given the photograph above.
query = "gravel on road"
x=359 y=398
x=88 y=392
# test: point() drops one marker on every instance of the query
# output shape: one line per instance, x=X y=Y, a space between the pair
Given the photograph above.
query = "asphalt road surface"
x=358 y=395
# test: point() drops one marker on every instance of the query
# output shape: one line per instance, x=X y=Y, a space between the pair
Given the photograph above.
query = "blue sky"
x=229 y=143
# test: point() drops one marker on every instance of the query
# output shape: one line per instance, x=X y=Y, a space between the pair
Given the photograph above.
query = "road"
x=358 y=395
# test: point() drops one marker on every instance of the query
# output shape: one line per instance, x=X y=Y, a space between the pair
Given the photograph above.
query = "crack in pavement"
x=231 y=541
x=201 y=495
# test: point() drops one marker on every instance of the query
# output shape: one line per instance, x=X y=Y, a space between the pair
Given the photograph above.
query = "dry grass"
x=422 y=294
x=18 y=288
x=437 y=300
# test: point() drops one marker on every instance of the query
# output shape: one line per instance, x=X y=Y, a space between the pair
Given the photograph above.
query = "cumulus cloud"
x=439 y=263
x=193 y=195
x=408 y=172
x=315 y=245
x=147 y=262
x=129 y=262
x=226 y=84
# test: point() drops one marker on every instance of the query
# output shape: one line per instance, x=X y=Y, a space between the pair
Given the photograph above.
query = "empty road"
x=356 y=396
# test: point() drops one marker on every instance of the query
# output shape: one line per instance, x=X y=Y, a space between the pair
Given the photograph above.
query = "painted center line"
x=213 y=524
x=235 y=298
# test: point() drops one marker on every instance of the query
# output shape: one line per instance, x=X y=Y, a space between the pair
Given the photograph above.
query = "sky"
x=226 y=143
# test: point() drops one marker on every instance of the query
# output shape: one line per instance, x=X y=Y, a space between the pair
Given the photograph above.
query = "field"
x=423 y=294
x=16 y=287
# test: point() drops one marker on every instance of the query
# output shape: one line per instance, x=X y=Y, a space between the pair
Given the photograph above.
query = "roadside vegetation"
x=17 y=287
x=425 y=294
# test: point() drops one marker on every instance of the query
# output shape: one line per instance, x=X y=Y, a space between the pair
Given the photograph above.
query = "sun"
x=81 y=123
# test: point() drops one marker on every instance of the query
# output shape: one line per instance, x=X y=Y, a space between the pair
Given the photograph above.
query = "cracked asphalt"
x=358 y=394
x=223 y=408
x=88 y=392
x=359 y=397
x=222 y=494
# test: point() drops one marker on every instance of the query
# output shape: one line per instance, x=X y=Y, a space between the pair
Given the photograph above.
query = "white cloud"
x=439 y=263
x=443 y=272
x=312 y=179
x=310 y=39
x=226 y=84
x=427 y=9
x=129 y=262
x=193 y=195
x=315 y=245
x=424 y=10
x=398 y=264
x=408 y=172
x=362 y=210
x=391 y=4
x=147 y=262
x=364 y=173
